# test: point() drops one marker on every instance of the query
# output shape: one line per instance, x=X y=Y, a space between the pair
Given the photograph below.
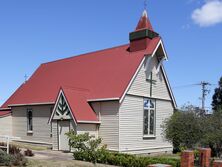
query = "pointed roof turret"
x=144 y=22
x=144 y=33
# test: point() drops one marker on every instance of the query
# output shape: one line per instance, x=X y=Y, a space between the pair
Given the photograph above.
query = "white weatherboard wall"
x=131 y=126
x=131 y=139
x=41 y=128
x=87 y=128
x=141 y=87
x=109 y=127
x=6 y=125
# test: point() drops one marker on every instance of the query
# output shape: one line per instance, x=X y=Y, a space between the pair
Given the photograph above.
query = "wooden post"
x=205 y=155
x=187 y=159
x=7 y=138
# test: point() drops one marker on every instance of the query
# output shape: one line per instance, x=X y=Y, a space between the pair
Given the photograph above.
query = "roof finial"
x=145 y=8
x=145 y=4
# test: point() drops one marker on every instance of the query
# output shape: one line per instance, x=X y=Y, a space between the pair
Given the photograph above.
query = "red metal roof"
x=77 y=100
x=105 y=74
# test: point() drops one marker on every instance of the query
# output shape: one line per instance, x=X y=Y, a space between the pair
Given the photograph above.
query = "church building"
x=121 y=94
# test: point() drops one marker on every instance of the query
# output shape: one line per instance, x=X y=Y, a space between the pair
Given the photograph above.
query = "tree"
x=212 y=136
x=217 y=97
x=183 y=129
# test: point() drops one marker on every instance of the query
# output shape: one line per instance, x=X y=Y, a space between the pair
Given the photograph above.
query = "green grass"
x=29 y=146
x=71 y=163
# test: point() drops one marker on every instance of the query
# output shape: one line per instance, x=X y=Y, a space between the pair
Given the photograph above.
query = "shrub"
x=19 y=160
x=5 y=159
x=87 y=149
x=28 y=153
x=126 y=160
x=12 y=148
x=13 y=158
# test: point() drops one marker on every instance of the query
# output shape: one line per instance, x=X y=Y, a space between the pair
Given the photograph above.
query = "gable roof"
x=105 y=74
x=76 y=100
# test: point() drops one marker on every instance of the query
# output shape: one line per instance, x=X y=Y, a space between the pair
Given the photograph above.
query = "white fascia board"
x=169 y=87
x=164 y=50
x=137 y=71
x=89 y=122
x=131 y=81
x=104 y=99
x=160 y=43
x=54 y=109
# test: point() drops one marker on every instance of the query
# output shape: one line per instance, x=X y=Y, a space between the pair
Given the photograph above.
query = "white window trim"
x=148 y=110
x=29 y=131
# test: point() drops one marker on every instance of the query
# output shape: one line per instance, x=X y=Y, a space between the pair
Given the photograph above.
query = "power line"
x=185 y=86
x=204 y=91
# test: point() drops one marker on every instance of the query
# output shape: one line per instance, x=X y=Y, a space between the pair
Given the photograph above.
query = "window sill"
x=149 y=136
x=29 y=132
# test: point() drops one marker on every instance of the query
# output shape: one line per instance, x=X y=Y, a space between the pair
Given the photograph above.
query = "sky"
x=38 y=31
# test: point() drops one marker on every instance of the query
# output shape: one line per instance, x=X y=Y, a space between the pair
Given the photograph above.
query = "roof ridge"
x=84 y=54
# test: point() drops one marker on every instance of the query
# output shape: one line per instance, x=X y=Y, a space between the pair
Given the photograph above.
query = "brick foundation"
x=217 y=163
x=205 y=155
x=187 y=159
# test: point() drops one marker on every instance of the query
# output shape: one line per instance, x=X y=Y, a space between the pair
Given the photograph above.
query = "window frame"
x=29 y=127
x=148 y=110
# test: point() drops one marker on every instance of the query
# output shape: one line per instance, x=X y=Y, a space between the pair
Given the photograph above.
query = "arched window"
x=29 y=120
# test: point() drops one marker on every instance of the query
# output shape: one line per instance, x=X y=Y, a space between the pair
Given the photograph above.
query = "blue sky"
x=34 y=32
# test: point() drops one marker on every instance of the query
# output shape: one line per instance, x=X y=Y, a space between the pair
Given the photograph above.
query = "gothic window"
x=149 y=117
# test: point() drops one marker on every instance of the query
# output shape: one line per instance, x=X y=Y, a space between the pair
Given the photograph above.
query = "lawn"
x=70 y=163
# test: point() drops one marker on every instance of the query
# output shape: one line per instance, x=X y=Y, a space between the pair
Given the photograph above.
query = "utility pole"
x=205 y=91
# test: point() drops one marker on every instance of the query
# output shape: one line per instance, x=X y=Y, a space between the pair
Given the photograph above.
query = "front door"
x=63 y=128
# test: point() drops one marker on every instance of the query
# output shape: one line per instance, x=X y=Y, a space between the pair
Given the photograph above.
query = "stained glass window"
x=149 y=117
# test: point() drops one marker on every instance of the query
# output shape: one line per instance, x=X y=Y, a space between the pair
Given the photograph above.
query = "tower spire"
x=144 y=22
x=143 y=33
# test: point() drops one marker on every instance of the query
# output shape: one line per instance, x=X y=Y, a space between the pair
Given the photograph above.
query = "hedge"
x=124 y=160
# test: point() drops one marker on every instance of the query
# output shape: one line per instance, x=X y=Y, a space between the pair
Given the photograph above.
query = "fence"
x=7 y=140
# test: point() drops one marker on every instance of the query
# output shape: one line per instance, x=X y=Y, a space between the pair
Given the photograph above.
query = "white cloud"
x=209 y=14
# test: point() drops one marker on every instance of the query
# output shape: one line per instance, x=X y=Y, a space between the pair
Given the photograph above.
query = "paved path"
x=49 y=158
x=52 y=155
